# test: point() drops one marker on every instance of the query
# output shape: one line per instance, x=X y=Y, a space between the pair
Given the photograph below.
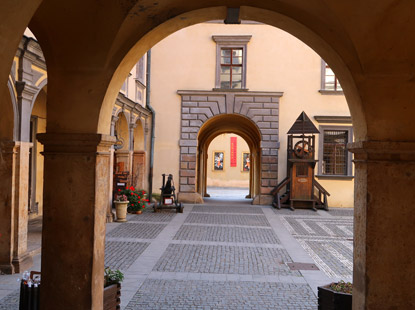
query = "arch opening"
x=229 y=124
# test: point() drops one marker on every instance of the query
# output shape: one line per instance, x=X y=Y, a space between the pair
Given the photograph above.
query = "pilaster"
x=13 y=207
x=76 y=200
x=383 y=224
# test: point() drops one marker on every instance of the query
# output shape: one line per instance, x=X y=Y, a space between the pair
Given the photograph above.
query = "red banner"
x=233 y=151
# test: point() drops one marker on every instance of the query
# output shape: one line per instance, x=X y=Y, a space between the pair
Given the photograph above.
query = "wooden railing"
x=322 y=192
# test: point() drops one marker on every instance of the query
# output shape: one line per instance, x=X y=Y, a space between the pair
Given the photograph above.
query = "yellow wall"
x=230 y=176
x=276 y=61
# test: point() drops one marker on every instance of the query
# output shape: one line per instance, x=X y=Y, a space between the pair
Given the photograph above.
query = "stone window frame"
x=231 y=41
x=349 y=159
x=323 y=89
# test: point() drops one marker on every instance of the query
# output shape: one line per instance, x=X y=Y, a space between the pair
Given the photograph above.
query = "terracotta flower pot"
x=138 y=212
x=121 y=210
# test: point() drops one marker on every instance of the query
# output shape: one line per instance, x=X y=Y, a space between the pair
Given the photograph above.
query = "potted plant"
x=335 y=296
x=112 y=288
x=137 y=199
x=121 y=203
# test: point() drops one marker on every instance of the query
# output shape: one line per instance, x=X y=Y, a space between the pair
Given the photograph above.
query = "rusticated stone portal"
x=252 y=115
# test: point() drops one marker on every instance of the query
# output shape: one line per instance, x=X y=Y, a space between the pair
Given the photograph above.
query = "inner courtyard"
x=224 y=254
x=70 y=130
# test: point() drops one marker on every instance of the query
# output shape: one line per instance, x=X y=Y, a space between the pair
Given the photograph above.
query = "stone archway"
x=375 y=72
x=248 y=131
x=253 y=115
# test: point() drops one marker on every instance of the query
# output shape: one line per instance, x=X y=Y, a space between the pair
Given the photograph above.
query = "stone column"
x=76 y=198
x=131 y=128
x=110 y=214
x=13 y=207
x=7 y=200
x=384 y=243
x=21 y=259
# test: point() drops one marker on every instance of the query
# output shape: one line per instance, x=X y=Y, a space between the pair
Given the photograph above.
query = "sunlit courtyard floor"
x=224 y=254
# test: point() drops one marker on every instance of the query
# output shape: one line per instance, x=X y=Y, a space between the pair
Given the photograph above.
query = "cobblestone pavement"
x=225 y=255
x=222 y=295
x=328 y=240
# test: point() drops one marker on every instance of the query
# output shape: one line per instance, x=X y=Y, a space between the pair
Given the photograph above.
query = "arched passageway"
x=228 y=168
x=88 y=61
x=241 y=126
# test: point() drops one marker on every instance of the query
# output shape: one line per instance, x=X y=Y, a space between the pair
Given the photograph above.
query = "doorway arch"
x=247 y=130
x=250 y=114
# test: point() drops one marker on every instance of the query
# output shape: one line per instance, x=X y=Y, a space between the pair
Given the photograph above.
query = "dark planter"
x=112 y=296
x=332 y=300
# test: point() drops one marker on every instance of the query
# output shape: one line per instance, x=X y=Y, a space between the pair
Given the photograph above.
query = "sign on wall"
x=233 y=151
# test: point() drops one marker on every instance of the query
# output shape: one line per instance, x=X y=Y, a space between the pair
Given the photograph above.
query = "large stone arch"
x=247 y=130
x=204 y=113
x=98 y=50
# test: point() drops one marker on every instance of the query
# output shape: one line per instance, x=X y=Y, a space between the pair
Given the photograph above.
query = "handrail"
x=280 y=186
x=321 y=188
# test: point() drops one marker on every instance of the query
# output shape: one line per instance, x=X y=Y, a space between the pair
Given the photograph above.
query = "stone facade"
x=261 y=108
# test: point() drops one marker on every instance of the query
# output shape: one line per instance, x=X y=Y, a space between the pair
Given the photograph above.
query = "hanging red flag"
x=233 y=151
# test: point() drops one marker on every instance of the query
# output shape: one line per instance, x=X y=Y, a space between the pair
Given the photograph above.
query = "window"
x=329 y=81
x=140 y=72
x=231 y=62
x=231 y=68
x=334 y=158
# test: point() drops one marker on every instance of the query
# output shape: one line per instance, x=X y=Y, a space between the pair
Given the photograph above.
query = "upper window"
x=329 y=81
x=140 y=72
x=231 y=61
x=334 y=158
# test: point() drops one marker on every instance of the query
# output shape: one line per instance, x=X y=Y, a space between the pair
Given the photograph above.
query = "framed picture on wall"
x=218 y=160
x=246 y=161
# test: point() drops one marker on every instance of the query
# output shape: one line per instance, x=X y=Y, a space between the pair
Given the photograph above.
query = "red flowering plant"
x=137 y=198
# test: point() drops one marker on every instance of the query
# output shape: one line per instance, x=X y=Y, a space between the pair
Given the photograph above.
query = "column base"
x=110 y=217
x=262 y=200
x=7 y=269
x=22 y=263
x=190 y=197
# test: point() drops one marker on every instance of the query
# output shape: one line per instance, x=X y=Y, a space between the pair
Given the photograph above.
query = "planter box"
x=112 y=296
x=332 y=300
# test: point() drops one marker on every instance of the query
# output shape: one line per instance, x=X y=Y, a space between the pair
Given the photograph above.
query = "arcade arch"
x=375 y=72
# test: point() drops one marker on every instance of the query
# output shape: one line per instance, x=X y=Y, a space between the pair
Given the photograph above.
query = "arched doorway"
x=230 y=123
x=228 y=167
x=206 y=114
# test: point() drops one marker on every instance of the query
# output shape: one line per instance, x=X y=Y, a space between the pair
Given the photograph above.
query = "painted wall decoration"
x=233 y=151
x=246 y=161
x=218 y=159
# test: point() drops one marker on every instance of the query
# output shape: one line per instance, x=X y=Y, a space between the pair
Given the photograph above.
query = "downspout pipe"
x=153 y=119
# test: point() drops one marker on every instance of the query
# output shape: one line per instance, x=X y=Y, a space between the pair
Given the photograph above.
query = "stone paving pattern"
x=137 y=230
x=225 y=256
x=11 y=301
x=225 y=260
x=189 y=295
x=328 y=240
x=120 y=255
x=227 y=209
x=227 y=234
x=228 y=219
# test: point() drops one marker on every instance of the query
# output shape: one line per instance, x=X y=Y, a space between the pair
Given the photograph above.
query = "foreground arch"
x=371 y=50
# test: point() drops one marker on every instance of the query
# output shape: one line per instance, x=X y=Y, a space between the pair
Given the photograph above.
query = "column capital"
x=75 y=143
x=393 y=151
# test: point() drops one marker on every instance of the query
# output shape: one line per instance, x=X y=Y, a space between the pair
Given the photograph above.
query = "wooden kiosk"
x=301 y=188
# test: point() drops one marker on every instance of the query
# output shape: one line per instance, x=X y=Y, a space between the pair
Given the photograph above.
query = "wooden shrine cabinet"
x=301 y=188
